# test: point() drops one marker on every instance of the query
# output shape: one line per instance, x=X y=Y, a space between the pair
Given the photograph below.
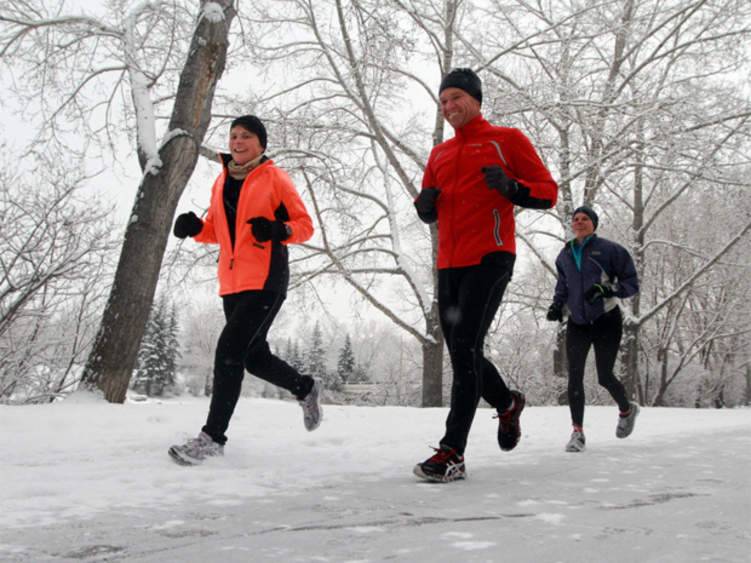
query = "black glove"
x=496 y=179
x=425 y=205
x=187 y=225
x=555 y=313
x=265 y=230
x=596 y=292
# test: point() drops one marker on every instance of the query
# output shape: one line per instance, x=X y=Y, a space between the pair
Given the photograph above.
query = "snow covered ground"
x=86 y=481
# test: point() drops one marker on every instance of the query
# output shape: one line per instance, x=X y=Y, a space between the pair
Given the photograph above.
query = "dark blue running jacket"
x=604 y=262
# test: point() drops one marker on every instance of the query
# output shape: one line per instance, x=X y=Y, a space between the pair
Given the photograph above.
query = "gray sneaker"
x=626 y=423
x=311 y=406
x=576 y=443
x=195 y=450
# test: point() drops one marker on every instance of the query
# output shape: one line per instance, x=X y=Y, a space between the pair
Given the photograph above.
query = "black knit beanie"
x=588 y=211
x=464 y=79
x=252 y=124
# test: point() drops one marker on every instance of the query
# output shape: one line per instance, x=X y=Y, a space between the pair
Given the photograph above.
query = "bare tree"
x=633 y=103
x=54 y=253
x=164 y=56
x=706 y=325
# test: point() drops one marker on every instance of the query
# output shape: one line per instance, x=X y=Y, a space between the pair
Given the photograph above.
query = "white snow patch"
x=153 y=166
x=168 y=525
x=461 y=535
x=473 y=545
x=366 y=529
x=212 y=12
x=550 y=517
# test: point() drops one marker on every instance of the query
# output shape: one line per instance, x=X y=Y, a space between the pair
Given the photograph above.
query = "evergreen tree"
x=141 y=382
x=156 y=366
x=315 y=360
x=345 y=365
x=292 y=356
x=172 y=348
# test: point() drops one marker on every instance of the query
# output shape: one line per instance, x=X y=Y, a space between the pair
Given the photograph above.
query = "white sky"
x=85 y=480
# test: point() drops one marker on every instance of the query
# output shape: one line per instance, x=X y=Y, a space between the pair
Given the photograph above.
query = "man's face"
x=582 y=226
x=458 y=107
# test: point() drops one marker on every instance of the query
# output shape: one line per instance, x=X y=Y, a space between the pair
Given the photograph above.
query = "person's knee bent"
x=258 y=359
x=606 y=380
x=464 y=351
x=227 y=365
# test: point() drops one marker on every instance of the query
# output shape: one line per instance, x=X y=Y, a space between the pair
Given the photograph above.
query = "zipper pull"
x=231 y=262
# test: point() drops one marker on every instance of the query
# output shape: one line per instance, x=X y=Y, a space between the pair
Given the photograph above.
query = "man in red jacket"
x=470 y=186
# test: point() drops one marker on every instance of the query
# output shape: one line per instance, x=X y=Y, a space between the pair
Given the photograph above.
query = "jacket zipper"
x=220 y=205
x=497 y=227
x=460 y=146
x=496 y=213
x=238 y=221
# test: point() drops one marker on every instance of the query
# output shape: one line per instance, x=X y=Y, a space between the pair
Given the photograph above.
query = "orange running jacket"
x=250 y=265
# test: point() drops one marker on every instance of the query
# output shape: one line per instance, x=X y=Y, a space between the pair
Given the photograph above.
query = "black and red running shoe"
x=509 y=430
x=444 y=466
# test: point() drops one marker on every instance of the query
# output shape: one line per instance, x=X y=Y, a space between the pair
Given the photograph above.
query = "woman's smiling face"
x=243 y=145
x=582 y=226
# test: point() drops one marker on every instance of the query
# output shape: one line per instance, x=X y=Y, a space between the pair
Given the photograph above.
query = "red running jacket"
x=474 y=220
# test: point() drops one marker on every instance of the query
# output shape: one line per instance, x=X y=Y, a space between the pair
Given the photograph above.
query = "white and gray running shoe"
x=195 y=450
x=311 y=406
x=576 y=443
x=626 y=423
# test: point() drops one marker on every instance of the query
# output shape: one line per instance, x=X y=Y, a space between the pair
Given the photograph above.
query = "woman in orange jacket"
x=254 y=213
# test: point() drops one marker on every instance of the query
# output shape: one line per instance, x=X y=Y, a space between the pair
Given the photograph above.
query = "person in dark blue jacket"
x=593 y=273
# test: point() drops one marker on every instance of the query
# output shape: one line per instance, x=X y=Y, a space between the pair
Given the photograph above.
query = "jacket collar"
x=226 y=157
x=587 y=241
x=475 y=126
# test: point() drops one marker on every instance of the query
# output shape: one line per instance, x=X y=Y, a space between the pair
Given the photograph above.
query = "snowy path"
x=670 y=498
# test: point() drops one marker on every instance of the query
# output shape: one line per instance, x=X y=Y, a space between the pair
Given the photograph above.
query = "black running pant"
x=242 y=345
x=605 y=335
x=468 y=299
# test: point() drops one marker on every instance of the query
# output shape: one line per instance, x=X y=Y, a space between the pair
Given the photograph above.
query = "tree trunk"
x=631 y=360
x=663 y=357
x=560 y=361
x=110 y=363
x=631 y=328
x=432 y=362
x=432 y=351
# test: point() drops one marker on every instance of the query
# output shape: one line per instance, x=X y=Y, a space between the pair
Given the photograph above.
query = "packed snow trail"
x=673 y=492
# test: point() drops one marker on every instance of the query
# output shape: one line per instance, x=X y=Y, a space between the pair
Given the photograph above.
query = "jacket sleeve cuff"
x=522 y=198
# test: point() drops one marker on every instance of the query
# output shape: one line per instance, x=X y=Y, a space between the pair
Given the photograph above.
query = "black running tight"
x=242 y=345
x=605 y=335
x=468 y=299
